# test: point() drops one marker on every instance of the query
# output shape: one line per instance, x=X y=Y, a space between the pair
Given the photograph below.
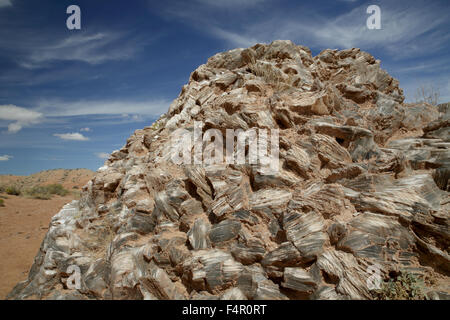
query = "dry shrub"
x=404 y=286
x=45 y=192
x=13 y=191
x=427 y=94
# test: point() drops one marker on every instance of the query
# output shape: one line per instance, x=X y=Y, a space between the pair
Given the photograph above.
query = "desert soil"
x=24 y=221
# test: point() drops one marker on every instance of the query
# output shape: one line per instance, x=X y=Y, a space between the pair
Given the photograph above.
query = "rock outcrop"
x=363 y=184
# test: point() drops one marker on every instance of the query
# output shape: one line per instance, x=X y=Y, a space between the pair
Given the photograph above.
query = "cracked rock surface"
x=363 y=181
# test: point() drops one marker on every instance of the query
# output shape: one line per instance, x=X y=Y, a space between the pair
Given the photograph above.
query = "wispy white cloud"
x=53 y=111
x=21 y=117
x=133 y=117
x=102 y=155
x=236 y=39
x=90 y=48
x=436 y=65
x=91 y=107
x=407 y=27
x=75 y=136
x=5 y=3
x=401 y=28
x=5 y=158
x=413 y=32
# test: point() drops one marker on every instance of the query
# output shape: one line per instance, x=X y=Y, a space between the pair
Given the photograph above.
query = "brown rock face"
x=361 y=191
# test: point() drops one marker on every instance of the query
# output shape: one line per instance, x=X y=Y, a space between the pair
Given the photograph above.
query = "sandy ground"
x=23 y=224
x=24 y=221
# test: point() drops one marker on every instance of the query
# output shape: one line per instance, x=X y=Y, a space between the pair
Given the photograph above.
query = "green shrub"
x=2 y=203
x=57 y=189
x=46 y=192
x=38 y=192
x=404 y=286
x=12 y=190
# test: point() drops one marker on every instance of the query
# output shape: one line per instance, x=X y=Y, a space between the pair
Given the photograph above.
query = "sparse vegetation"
x=427 y=94
x=156 y=125
x=12 y=190
x=404 y=286
x=36 y=192
x=46 y=192
x=2 y=203
x=57 y=189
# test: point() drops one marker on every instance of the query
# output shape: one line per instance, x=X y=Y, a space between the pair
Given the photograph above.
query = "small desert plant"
x=404 y=286
x=57 y=189
x=427 y=94
x=38 y=192
x=12 y=190
x=46 y=192
x=2 y=203
x=155 y=125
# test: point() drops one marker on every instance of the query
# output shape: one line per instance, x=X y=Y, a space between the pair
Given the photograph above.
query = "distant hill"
x=68 y=178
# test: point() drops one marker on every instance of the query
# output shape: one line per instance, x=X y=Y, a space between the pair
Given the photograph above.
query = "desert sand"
x=24 y=222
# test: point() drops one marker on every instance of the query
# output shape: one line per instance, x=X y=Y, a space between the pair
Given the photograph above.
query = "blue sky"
x=70 y=97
